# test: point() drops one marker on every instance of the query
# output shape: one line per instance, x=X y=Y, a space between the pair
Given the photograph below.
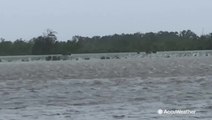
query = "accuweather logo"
x=174 y=112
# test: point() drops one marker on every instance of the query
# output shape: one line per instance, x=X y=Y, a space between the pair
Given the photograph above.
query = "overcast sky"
x=30 y=18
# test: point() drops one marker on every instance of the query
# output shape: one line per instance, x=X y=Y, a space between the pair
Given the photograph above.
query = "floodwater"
x=126 y=89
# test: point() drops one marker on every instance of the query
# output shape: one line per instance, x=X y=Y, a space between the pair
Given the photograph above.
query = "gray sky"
x=30 y=18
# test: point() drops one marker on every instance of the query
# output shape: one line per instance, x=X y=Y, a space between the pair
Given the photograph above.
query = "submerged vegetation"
x=137 y=42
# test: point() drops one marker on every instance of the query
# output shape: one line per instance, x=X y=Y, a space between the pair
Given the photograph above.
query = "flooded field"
x=110 y=89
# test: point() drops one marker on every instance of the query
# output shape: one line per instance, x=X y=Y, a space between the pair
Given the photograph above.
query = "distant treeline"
x=137 y=42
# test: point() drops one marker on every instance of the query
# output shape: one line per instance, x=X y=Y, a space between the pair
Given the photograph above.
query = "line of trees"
x=137 y=42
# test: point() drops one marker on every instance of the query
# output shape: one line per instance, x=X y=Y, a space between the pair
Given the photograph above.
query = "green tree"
x=44 y=44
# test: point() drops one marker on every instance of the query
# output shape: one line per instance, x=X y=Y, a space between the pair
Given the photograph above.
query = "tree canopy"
x=136 y=42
